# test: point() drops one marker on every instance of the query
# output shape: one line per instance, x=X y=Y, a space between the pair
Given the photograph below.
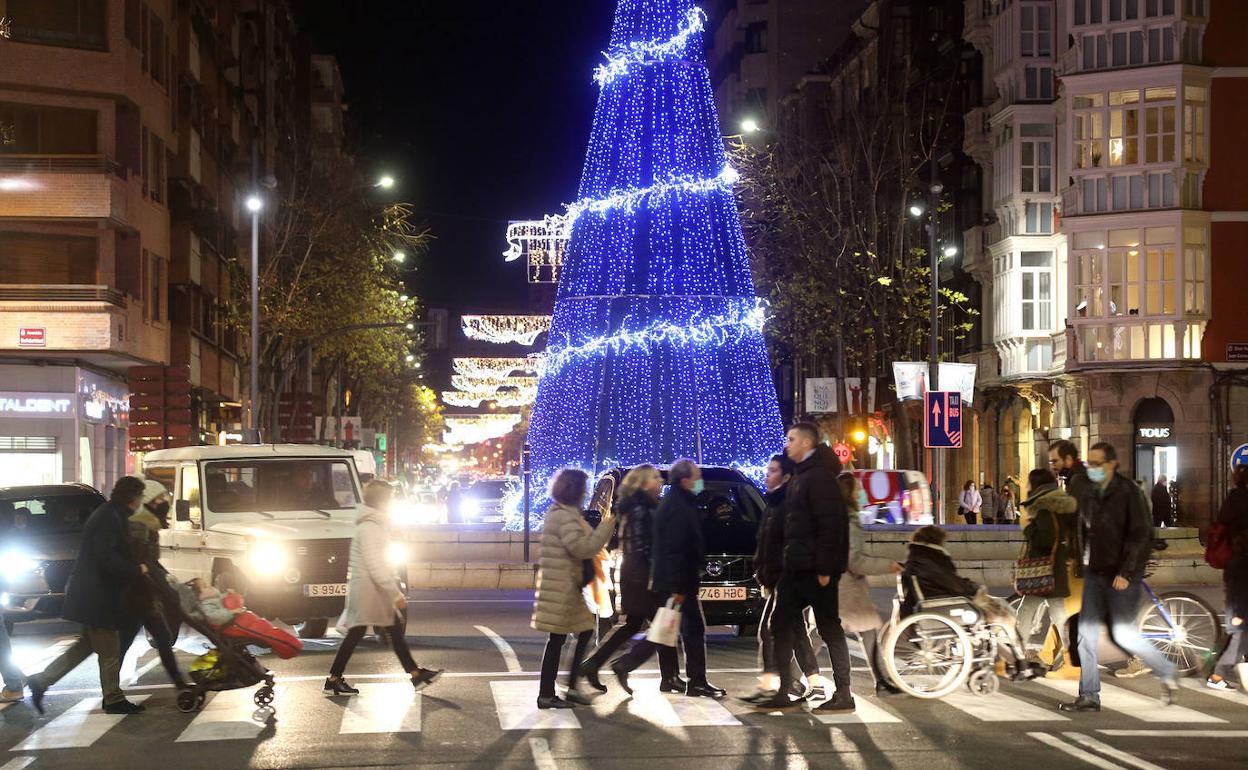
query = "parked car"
x=481 y=502
x=895 y=497
x=730 y=508
x=271 y=521
x=40 y=531
x=420 y=508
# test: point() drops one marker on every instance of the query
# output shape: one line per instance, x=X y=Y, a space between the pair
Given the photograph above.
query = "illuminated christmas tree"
x=656 y=348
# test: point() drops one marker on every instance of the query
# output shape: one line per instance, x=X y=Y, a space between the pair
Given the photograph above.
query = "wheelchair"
x=945 y=643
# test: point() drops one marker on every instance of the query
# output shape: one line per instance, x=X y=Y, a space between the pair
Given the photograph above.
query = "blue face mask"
x=1096 y=475
x=698 y=486
x=860 y=497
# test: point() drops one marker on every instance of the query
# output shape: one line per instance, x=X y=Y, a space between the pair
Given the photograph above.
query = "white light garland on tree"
x=623 y=58
x=629 y=200
x=473 y=429
x=505 y=329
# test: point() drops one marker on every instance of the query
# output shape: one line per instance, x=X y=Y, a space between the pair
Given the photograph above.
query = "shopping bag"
x=665 y=628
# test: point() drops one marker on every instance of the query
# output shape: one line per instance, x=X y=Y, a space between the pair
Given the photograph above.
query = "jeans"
x=8 y=669
x=105 y=644
x=692 y=636
x=155 y=624
x=1236 y=648
x=398 y=640
x=793 y=595
x=1102 y=604
x=550 y=661
x=807 y=661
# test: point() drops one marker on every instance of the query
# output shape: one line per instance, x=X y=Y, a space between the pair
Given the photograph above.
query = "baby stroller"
x=229 y=666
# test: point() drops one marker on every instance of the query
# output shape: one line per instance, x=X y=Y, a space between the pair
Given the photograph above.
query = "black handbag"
x=588 y=573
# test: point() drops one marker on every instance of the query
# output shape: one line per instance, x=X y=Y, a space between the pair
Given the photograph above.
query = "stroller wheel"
x=264 y=696
x=189 y=700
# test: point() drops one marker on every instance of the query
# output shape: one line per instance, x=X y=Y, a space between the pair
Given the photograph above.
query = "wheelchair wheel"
x=928 y=655
x=984 y=682
x=189 y=701
x=1191 y=634
x=264 y=696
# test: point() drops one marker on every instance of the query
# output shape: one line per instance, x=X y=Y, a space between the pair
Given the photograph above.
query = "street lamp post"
x=933 y=354
x=254 y=204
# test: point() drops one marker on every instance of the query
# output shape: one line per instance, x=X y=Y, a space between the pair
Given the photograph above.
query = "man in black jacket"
x=106 y=568
x=1117 y=533
x=678 y=554
x=816 y=553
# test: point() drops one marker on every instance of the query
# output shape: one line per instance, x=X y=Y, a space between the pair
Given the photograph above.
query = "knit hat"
x=153 y=489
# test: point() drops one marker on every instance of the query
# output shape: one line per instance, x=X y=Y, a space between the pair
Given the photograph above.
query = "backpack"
x=1220 y=547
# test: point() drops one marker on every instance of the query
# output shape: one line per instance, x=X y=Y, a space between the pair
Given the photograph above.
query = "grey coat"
x=372 y=586
x=567 y=540
x=858 y=612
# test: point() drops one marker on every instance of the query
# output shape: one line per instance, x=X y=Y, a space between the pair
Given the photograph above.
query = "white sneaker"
x=1219 y=684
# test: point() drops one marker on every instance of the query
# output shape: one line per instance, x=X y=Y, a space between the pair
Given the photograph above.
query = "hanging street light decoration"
x=495 y=367
x=506 y=329
x=544 y=241
x=473 y=429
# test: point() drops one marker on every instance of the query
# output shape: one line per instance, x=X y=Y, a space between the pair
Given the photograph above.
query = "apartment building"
x=1114 y=236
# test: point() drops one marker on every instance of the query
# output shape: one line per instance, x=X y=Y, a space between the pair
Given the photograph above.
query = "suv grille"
x=728 y=569
x=323 y=561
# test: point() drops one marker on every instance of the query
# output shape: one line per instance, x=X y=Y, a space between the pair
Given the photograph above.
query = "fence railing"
x=60 y=164
x=48 y=292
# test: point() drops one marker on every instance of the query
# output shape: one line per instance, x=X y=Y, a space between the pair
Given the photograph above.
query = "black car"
x=40 y=530
x=730 y=508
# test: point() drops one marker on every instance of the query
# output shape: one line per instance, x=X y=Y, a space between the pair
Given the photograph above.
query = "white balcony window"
x=1036 y=28
x=1039 y=355
x=1038 y=83
x=1195 y=130
x=1038 y=218
x=1036 y=291
x=1036 y=169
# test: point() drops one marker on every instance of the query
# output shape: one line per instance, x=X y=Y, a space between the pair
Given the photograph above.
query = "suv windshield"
x=489 y=490
x=730 y=514
x=46 y=515
x=278 y=485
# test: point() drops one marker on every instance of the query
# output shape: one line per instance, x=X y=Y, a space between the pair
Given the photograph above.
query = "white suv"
x=273 y=522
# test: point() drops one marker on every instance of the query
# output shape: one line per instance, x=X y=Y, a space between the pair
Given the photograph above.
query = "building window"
x=1095 y=52
x=1037 y=290
x=1038 y=83
x=1089 y=130
x=1124 y=128
x=1037 y=158
x=155 y=285
x=38 y=130
x=1195 y=265
x=1160 y=45
x=1038 y=219
x=756 y=37
x=1037 y=30
x=1159 y=127
x=1039 y=355
x=66 y=23
x=1088 y=11
x=1194 y=128
x=1192 y=7
x=154 y=175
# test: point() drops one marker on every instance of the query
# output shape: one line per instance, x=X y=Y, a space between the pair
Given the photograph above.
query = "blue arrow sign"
x=942 y=419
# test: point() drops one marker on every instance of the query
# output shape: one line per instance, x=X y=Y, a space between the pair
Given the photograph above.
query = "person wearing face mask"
x=1117 y=531
x=142 y=604
x=676 y=572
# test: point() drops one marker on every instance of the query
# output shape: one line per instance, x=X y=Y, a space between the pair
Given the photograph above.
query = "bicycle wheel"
x=927 y=655
x=1190 y=634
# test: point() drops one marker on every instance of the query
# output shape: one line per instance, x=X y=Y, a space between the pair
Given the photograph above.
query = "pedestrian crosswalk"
x=391 y=707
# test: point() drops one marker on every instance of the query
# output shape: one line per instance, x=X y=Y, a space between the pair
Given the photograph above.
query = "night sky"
x=482 y=112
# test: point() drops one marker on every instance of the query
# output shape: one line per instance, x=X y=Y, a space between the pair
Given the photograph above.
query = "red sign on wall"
x=32 y=337
x=842 y=452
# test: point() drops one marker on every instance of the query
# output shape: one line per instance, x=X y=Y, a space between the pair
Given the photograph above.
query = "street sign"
x=842 y=452
x=1239 y=456
x=942 y=420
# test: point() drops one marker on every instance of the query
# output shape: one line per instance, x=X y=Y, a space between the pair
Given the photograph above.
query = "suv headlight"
x=470 y=508
x=267 y=557
x=16 y=564
x=397 y=553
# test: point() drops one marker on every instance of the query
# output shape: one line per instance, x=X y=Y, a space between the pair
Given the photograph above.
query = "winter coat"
x=988 y=504
x=858 y=612
x=1234 y=513
x=932 y=568
x=1006 y=510
x=1051 y=518
x=636 y=545
x=816 y=521
x=1077 y=484
x=372 y=585
x=143 y=530
x=1118 y=530
x=971 y=500
x=679 y=550
x=1163 y=506
x=104 y=572
x=769 y=554
x=567 y=541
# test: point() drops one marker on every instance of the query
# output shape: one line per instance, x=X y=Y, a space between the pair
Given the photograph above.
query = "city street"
x=482 y=715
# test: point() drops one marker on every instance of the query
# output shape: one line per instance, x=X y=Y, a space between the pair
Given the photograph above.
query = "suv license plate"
x=722 y=594
x=324 y=589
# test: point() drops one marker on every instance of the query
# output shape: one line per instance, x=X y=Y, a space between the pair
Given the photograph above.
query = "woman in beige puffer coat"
x=858 y=612
x=560 y=609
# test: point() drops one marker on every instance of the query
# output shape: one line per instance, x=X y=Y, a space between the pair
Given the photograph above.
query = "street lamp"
x=951 y=251
x=916 y=209
x=254 y=204
x=386 y=182
x=400 y=256
x=750 y=126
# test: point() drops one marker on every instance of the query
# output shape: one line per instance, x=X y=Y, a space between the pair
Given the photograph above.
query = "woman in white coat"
x=858 y=612
x=374 y=597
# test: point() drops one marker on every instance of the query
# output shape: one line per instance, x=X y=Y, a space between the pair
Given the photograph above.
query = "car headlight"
x=397 y=554
x=15 y=564
x=470 y=508
x=403 y=513
x=268 y=557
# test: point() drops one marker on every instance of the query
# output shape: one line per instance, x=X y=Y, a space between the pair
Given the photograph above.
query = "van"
x=273 y=522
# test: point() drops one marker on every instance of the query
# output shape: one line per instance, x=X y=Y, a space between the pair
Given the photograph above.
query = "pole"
x=524 y=464
x=933 y=354
x=255 y=327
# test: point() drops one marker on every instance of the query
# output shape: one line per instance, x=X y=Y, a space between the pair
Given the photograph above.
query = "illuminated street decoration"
x=475 y=428
x=655 y=350
x=505 y=329
x=544 y=241
x=490 y=383
x=494 y=367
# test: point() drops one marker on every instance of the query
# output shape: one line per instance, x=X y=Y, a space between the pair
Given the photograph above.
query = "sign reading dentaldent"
x=36 y=404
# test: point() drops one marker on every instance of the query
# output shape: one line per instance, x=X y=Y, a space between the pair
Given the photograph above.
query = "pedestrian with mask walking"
x=560 y=609
x=679 y=553
x=816 y=554
x=104 y=571
x=970 y=503
x=768 y=569
x=1049 y=529
x=858 y=613
x=1116 y=536
x=142 y=603
x=635 y=507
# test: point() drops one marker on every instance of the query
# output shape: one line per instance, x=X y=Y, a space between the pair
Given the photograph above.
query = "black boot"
x=589 y=672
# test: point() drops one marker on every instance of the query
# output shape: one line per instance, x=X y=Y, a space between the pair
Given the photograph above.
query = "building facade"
x=1117 y=209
